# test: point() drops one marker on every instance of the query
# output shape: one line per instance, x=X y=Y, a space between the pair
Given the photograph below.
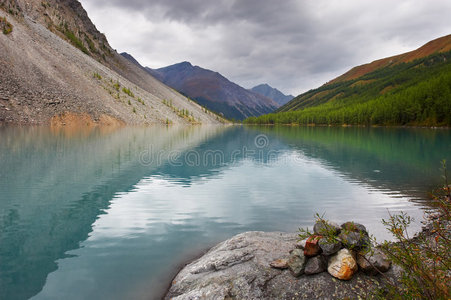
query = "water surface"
x=111 y=214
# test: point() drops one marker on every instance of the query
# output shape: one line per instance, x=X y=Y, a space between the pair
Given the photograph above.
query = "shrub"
x=75 y=40
x=7 y=27
x=117 y=86
x=91 y=45
x=97 y=76
x=128 y=92
x=426 y=259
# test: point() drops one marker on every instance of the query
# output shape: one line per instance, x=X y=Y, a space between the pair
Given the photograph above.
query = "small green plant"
x=7 y=27
x=129 y=102
x=116 y=85
x=97 y=76
x=134 y=110
x=128 y=92
x=328 y=233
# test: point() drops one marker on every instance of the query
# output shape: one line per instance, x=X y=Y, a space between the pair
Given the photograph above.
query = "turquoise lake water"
x=112 y=214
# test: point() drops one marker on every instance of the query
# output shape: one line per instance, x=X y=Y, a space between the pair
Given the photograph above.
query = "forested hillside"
x=407 y=93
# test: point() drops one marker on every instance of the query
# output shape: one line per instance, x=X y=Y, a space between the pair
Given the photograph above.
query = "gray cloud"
x=292 y=45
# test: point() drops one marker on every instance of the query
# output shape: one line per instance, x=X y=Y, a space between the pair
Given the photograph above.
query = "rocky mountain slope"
x=272 y=93
x=58 y=68
x=214 y=91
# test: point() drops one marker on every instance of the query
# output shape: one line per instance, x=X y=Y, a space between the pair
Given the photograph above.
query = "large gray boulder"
x=239 y=268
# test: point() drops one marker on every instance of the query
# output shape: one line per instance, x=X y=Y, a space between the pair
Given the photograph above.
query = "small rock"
x=326 y=228
x=329 y=247
x=281 y=263
x=371 y=261
x=315 y=265
x=297 y=252
x=296 y=262
x=311 y=246
x=301 y=244
x=354 y=227
x=342 y=265
x=354 y=239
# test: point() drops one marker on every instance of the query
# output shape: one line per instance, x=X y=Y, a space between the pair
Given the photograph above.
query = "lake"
x=100 y=213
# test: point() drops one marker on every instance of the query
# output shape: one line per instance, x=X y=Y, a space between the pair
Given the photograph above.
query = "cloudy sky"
x=293 y=45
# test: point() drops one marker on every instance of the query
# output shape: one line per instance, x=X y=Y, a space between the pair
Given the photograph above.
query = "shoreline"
x=179 y=267
x=239 y=267
x=204 y=269
x=349 y=125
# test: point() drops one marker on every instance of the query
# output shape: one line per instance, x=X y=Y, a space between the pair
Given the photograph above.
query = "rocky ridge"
x=272 y=93
x=214 y=91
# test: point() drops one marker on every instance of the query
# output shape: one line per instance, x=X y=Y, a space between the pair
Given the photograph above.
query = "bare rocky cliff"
x=56 y=67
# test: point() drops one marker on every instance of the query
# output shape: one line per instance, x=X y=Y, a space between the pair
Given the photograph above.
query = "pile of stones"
x=341 y=250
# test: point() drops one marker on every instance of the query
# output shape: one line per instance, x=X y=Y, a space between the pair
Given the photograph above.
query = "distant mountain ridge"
x=214 y=91
x=272 y=93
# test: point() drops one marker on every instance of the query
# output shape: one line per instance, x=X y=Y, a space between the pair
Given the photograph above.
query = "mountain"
x=413 y=88
x=214 y=91
x=272 y=93
x=130 y=58
x=57 y=68
x=439 y=45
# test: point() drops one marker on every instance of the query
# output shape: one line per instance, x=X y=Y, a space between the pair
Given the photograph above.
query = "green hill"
x=409 y=89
